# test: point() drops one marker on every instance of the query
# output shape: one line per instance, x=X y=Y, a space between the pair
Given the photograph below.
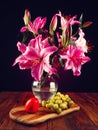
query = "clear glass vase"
x=45 y=89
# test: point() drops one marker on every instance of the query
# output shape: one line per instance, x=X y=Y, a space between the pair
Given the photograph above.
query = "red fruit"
x=32 y=105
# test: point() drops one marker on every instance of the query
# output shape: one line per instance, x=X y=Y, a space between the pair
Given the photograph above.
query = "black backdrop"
x=11 y=13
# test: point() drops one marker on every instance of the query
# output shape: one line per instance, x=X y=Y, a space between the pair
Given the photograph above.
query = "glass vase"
x=45 y=89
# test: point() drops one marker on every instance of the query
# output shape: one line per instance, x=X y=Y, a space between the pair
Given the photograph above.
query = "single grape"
x=57 y=98
x=51 y=100
x=43 y=103
x=58 y=101
x=62 y=96
x=64 y=105
x=63 y=99
x=59 y=110
x=71 y=103
x=58 y=94
x=49 y=105
x=55 y=106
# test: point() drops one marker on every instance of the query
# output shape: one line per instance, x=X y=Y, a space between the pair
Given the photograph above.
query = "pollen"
x=36 y=61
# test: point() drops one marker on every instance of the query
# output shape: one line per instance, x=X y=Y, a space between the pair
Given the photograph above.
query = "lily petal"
x=21 y=47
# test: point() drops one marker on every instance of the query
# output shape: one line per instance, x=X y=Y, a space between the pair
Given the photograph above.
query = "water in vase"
x=44 y=93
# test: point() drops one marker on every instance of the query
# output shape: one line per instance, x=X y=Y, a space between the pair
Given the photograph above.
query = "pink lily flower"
x=34 y=26
x=65 y=23
x=36 y=56
x=74 y=59
x=81 y=42
x=53 y=24
x=27 y=17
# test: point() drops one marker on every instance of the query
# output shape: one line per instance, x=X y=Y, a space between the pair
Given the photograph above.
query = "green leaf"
x=61 y=61
x=81 y=18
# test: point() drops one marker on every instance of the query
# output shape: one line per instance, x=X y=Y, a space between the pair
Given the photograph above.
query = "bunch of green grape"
x=58 y=103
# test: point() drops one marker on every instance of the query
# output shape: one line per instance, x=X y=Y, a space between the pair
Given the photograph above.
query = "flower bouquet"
x=44 y=51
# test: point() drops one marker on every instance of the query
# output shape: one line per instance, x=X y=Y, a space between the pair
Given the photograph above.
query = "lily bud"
x=53 y=24
x=27 y=17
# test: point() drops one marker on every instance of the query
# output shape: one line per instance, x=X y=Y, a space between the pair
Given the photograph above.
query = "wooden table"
x=84 y=119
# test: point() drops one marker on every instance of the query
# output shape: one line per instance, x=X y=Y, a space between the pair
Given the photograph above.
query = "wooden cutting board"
x=19 y=114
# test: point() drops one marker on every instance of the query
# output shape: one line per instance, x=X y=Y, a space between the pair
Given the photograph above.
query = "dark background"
x=11 y=14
